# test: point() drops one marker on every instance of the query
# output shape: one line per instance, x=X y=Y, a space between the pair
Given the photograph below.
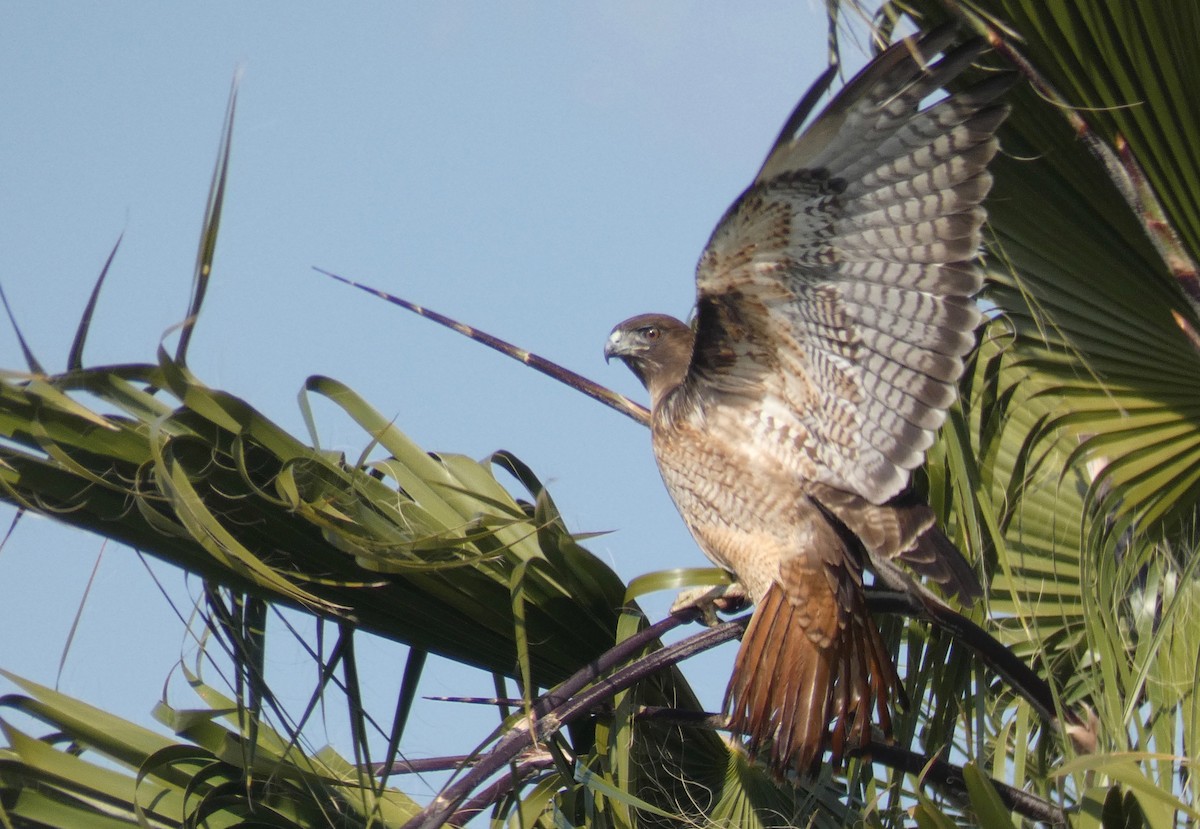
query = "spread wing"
x=834 y=298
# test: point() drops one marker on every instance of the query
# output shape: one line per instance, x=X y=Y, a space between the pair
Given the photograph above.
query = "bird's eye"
x=651 y=333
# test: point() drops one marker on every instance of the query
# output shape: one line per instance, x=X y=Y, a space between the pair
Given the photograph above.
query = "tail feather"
x=797 y=694
x=934 y=556
x=904 y=528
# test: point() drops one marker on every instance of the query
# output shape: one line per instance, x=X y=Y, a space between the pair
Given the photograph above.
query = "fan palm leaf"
x=1073 y=468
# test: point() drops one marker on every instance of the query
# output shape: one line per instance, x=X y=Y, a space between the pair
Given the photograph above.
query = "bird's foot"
x=726 y=598
x=1085 y=733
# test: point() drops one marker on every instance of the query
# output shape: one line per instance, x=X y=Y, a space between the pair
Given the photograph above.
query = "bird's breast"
x=743 y=507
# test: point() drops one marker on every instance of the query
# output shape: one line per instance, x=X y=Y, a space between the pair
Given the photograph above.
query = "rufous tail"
x=807 y=677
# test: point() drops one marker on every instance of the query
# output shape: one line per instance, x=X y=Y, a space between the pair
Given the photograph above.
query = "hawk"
x=834 y=310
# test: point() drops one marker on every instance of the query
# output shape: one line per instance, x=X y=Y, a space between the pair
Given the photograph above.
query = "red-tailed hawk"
x=833 y=314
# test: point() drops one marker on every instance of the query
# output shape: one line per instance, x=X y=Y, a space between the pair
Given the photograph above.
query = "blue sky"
x=540 y=170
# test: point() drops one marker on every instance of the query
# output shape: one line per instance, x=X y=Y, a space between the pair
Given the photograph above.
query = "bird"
x=834 y=312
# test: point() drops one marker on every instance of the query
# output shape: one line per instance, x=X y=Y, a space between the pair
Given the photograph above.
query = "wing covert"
x=834 y=297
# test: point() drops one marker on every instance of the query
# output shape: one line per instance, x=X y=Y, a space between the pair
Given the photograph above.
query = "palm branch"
x=1072 y=467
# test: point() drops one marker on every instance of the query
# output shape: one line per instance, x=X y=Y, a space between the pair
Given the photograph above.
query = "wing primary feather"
x=903 y=58
x=851 y=278
x=803 y=109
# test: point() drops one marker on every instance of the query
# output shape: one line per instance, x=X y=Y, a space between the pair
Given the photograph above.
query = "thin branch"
x=650 y=664
x=449 y=762
x=503 y=785
x=578 y=382
x=1154 y=220
x=949 y=778
x=684 y=719
x=569 y=701
x=994 y=653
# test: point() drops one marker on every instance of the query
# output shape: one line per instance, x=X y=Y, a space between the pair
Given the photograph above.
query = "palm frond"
x=1072 y=469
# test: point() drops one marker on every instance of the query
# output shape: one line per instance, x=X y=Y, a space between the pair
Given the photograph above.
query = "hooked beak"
x=614 y=347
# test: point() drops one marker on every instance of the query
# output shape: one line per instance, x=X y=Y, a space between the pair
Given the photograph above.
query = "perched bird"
x=833 y=314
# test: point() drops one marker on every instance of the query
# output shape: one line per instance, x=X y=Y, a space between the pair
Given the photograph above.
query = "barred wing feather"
x=834 y=297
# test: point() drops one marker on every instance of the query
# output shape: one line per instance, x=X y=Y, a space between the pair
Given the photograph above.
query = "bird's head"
x=657 y=349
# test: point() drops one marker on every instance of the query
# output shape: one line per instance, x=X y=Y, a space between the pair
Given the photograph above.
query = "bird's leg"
x=726 y=598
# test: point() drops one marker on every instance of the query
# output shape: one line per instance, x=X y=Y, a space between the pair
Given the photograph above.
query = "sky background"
x=539 y=170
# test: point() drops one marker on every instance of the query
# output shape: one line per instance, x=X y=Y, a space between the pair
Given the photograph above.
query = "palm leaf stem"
x=490 y=795
x=1120 y=165
x=994 y=653
x=610 y=398
x=566 y=703
x=949 y=778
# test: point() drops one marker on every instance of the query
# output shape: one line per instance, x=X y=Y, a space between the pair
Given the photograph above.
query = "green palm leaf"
x=1073 y=468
